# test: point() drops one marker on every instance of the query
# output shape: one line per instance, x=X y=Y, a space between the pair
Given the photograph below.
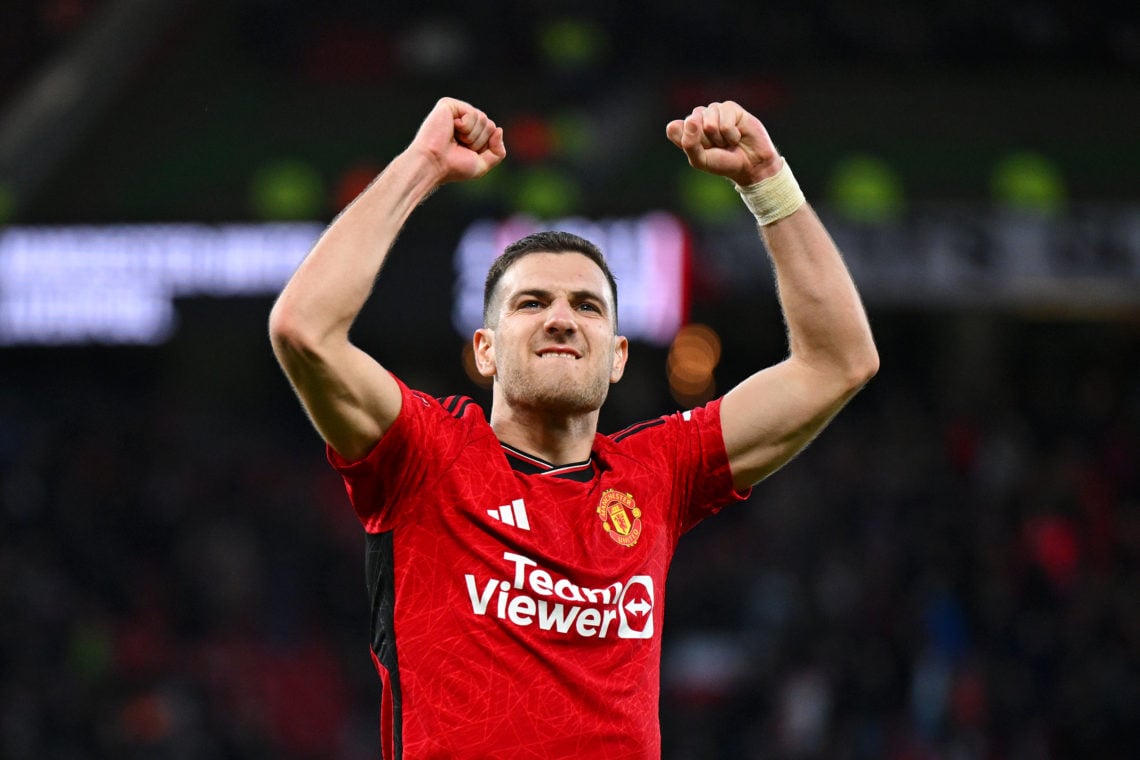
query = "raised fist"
x=726 y=140
x=460 y=139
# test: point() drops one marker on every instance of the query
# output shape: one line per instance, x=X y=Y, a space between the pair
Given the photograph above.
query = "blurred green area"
x=235 y=88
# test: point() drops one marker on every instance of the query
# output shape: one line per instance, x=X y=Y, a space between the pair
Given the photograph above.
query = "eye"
x=531 y=304
x=587 y=306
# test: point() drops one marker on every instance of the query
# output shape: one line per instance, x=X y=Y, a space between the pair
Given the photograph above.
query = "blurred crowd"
x=950 y=571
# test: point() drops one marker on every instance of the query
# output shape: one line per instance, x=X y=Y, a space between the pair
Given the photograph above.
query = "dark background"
x=950 y=571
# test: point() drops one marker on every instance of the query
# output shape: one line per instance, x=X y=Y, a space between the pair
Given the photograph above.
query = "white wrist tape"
x=773 y=198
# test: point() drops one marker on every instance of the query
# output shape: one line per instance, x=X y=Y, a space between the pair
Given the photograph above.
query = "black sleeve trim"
x=455 y=405
x=637 y=428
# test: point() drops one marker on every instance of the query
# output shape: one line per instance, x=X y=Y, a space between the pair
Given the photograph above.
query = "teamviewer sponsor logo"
x=536 y=597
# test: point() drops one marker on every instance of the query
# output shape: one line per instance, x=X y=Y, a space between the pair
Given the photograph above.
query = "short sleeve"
x=685 y=449
x=707 y=480
x=405 y=459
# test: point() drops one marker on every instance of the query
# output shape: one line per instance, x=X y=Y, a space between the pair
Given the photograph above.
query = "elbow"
x=845 y=372
x=283 y=330
x=862 y=367
x=289 y=336
x=849 y=370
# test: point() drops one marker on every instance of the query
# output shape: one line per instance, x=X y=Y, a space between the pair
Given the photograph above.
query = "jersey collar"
x=528 y=464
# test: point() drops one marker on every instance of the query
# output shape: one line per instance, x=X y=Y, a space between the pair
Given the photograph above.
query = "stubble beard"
x=551 y=393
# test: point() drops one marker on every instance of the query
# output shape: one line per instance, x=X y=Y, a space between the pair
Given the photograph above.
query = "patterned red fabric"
x=528 y=607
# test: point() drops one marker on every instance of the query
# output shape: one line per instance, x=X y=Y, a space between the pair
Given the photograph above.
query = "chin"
x=559 y=398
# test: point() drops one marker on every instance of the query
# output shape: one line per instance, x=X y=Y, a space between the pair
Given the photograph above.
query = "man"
x=517 y=566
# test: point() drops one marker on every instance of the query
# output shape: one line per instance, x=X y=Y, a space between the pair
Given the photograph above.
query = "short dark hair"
x=550 y=241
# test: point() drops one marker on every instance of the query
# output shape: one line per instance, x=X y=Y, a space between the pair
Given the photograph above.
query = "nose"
x=560 y=318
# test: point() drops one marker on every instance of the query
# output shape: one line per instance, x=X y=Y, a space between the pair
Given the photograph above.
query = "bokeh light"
x=546 y=193
x=352 y=182
x=707 y=198
x=287 y=190
x=693 y=356
x=572 y=44
x=434 y=47
x=865 y=188
x=573 y=134
x=1028 y=181
x=531 y=138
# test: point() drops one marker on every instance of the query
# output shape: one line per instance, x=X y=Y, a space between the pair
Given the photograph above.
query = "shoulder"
x=424 y=423
x=684 y=441
x=456 y=407
x=668 y=426
x=419 y=407
x=430 y=420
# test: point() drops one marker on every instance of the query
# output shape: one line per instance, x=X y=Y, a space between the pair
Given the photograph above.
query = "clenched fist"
x=460 y=139
x=726 y=140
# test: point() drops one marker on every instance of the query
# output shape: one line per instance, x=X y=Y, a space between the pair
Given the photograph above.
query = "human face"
x=552 y=344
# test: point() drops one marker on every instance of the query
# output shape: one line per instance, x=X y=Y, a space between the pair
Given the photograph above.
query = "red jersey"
x=517 y=606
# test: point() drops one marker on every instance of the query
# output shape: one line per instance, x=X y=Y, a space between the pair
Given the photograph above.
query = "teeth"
x=558 y=355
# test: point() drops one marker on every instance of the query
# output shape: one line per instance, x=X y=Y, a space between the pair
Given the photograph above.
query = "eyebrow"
x=576 y=296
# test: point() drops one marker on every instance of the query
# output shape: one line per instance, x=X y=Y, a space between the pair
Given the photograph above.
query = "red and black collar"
x=528 y=464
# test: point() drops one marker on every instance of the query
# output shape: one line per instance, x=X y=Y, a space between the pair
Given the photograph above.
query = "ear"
x=621 y=355
x=484 y=344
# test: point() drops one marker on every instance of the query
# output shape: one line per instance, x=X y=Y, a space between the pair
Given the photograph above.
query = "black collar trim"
x=520 y=461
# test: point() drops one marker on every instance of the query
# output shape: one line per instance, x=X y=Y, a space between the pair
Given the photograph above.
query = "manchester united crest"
x=620 y=517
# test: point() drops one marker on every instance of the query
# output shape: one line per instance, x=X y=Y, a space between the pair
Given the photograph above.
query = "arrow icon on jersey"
x=638 y=607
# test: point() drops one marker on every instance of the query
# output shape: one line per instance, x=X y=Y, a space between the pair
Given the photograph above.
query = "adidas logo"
x=512 y=514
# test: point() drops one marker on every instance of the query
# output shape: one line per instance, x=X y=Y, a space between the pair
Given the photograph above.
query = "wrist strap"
x=773 y=198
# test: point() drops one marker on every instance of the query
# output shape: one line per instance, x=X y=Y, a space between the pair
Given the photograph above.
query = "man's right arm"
x=350 y=398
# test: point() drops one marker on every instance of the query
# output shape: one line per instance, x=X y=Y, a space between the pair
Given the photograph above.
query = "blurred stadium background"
x=949 y=572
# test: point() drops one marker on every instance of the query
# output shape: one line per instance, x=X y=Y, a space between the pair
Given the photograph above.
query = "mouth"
x=559 y=353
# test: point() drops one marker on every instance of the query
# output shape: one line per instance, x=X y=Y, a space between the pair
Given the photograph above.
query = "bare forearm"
x=827 y=325
x=774 y=413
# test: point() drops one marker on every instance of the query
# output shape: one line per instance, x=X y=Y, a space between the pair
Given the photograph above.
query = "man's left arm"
x=769 y=417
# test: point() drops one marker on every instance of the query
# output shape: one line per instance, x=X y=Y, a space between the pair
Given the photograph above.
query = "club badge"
x=620 y=517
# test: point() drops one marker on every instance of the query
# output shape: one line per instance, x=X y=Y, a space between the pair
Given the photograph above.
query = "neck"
x=558 y=438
